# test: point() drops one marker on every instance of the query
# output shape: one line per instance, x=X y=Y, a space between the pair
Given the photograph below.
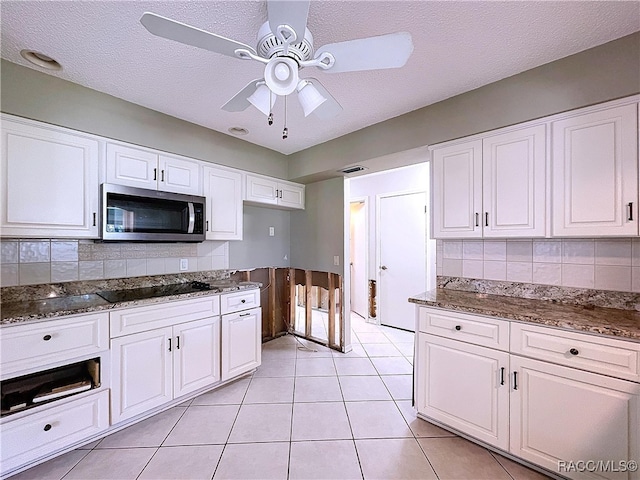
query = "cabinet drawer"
x=488 y=332
x=29 y=346
x=140 y=319
x=234 y=302
x=616 y=358
x=33 y=436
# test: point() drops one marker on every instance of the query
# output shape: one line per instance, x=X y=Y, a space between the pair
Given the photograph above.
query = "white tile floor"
x=302 y=415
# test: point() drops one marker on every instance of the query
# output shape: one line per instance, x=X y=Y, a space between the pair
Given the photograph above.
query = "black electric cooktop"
x=132 y=294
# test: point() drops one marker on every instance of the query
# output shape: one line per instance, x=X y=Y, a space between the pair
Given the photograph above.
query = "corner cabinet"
x=550 y=397
x=50 y=181
x=223 y=191
x=241 y=333
x=595 y=173
x=145 y=168
x=491 y=187
x=261 y=190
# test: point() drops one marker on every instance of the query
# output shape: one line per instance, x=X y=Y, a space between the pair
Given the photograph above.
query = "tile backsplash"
x=603 y=264
x=31 y=261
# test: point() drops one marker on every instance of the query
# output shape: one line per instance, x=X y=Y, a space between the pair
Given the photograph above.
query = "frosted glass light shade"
x=260 y=99
x=309 y=96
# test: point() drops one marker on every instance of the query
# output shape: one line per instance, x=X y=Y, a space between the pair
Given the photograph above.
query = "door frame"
x=365 y=201
x=427 y=270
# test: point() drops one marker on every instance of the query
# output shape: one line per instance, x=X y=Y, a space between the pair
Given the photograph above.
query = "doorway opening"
x=389 y=232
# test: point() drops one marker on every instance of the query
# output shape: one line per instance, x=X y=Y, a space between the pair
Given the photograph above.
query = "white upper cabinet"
x=223 y=191
x=50 y=184
x=270 y=191
x=492 y=186
x=595 y=173
x=457 y=190
x=144 y=168
x=513 y=173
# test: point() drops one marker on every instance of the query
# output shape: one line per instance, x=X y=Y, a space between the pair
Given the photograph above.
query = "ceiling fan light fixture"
x=262 y=99
x=309 y=96
x=281 y=75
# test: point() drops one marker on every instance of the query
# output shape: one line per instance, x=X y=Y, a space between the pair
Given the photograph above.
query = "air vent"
x=354 y=169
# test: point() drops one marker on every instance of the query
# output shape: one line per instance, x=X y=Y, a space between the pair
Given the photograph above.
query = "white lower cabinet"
x=34 y=436
x=241 y=342
x=465 y=387
x=562 y=414
x=152 y=368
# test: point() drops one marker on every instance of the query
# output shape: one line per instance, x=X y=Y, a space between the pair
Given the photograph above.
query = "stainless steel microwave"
x=141 y=215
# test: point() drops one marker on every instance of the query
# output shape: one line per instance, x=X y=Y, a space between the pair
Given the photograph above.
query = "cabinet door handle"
x=178 y=342
x=207 y=225
x=244 y=314
x=574 y=351
x=501 y=375
x=155 y=174
x=169 y=343
x=46 y=338
x=486 y=219
x=243 y=301
x=477 y=219
x=458 y=327
x=47 y=427
x=94 y=219
x=630 y=211
x=515 y=380
x=162 y=175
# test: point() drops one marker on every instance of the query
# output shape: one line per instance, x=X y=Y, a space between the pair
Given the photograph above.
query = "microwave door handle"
x=192 y=217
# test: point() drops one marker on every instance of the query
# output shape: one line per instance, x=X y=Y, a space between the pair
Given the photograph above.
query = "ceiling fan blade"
x=386 y=51
x=183 y=33
x=329 y=108
x=239 y=101
x=288 y=12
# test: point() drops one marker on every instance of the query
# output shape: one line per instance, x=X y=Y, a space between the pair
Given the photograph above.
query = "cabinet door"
x=241 y=342
x=561 y=414
x=261 y=190
x=179 y=175
x=141 y=373
x=132 y=167
x=464 y=386
x=595 y=173
x=196 y=356
x=291 y=196
x=513 y=181
x=223 y=190
x=457 y=190
x=50 y=181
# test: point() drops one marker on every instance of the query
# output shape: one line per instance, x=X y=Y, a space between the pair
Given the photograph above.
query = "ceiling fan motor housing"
x=269 y=45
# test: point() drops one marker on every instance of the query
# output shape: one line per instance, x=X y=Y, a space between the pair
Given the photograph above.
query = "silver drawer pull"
x=46 y=338
x=574 y=351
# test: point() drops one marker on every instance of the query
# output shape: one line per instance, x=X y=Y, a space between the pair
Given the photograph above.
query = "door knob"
x=383 y=267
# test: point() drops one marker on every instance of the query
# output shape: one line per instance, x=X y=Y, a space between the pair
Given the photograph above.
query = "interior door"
x=358 y=263
x=402 y=254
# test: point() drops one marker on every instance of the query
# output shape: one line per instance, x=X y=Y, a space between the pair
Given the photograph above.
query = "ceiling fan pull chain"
x=270 y=117
x=285 y=132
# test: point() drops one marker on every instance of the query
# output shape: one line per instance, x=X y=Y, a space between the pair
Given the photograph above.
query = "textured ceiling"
x=458 y=46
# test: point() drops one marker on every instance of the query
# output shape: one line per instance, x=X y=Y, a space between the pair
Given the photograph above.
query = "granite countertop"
x=13 y=313
x=613 y=322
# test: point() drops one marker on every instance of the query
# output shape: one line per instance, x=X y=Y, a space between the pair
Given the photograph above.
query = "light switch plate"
x=272 y=231
x=336 y=259
x=184 y=264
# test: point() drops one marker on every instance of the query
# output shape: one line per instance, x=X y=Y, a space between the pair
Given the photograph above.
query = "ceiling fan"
x=285 y=46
